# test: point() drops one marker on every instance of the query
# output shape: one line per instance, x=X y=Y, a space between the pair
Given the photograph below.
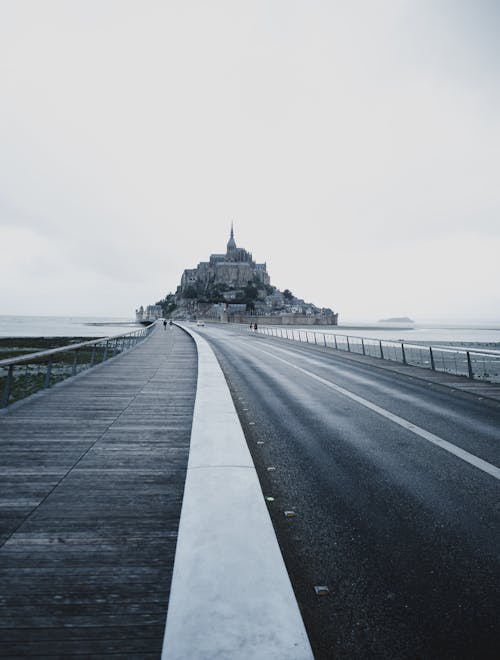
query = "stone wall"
x=287 y=319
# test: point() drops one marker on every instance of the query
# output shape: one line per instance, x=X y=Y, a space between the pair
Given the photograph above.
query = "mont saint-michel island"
x=233 y=288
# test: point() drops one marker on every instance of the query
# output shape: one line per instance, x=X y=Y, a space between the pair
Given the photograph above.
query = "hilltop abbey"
x=232 y=287
x=234 y=269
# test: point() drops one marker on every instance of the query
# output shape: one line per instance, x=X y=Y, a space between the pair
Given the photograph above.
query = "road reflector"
x=322 y=590
x=252 y=423
x=260 y=442
x=270 y=499
x=290 y=514
x=271 y=469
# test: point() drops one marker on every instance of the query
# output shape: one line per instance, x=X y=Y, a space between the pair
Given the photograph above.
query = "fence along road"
x=92 y=476
x=475 y=364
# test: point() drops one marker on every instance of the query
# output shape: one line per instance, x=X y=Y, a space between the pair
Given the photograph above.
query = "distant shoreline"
x=64 y=326
x=11 y=347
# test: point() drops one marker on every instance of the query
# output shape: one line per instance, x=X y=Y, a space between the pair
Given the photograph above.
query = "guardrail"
x=24 y=375
x=476 y=365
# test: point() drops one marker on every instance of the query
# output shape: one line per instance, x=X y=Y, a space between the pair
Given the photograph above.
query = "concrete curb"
x=231 y=597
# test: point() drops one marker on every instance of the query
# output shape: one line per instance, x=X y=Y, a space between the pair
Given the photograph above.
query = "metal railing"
x=24 y=375
x=477 y=365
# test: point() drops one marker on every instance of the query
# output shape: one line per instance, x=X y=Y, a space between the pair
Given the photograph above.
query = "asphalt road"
x=404 y=534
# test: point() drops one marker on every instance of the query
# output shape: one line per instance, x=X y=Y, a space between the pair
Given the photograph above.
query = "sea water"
x=98 y=326
x=65 y=326
x=428 y=333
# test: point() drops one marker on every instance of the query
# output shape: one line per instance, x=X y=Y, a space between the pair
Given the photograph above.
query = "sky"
x=355 y=144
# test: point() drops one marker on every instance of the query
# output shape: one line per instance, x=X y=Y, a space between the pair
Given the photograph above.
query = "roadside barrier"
x=231 y=596
x=476 y=365
x=22 y=376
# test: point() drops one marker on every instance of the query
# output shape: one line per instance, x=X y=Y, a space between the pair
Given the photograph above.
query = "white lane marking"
x=430 y=437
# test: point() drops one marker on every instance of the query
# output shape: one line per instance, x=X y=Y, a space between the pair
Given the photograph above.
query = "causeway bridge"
x=217 y=492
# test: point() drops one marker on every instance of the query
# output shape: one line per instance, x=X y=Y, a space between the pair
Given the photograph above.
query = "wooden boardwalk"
x=91 y=483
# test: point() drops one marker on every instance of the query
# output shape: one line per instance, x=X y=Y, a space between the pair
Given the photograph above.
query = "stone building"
x=231 y=270
x=232 y=287
x=151 y=313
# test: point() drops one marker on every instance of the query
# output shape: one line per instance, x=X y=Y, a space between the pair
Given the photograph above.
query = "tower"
x=231 y=246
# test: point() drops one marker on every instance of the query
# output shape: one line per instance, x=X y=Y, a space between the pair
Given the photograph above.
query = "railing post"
x=381 y=349
x=335 y=340
x=348 y=344
x=363 y=346
x=6 y=387
x=469 y=366
x=403 y=353
x=324 y=339
x=48 y=374
x=431 y=354
x=315 y=338
x=109 y=347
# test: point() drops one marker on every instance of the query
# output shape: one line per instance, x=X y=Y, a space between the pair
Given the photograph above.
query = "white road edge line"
x=231 y=597
x=477 y=462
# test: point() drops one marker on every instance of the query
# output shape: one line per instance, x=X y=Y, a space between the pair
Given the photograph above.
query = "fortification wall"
x=287 y=319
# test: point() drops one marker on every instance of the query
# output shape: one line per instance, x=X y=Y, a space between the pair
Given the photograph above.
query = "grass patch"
x=11 y=347
x=31 y=377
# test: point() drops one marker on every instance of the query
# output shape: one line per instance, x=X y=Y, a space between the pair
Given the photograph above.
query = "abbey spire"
x=231 y=244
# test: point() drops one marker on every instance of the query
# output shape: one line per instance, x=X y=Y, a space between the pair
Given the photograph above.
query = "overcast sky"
x=356 y=145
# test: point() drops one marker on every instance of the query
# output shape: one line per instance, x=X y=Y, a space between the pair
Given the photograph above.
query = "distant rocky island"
x=232 y=287
x=397 y=319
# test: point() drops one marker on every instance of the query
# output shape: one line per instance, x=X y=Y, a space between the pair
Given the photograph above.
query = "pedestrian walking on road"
x=255 y=327
x=164 y=324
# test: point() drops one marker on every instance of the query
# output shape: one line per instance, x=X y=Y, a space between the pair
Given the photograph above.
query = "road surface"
x=394 y=483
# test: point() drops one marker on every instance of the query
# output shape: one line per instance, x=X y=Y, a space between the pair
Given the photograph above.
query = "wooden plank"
x=93 y=477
